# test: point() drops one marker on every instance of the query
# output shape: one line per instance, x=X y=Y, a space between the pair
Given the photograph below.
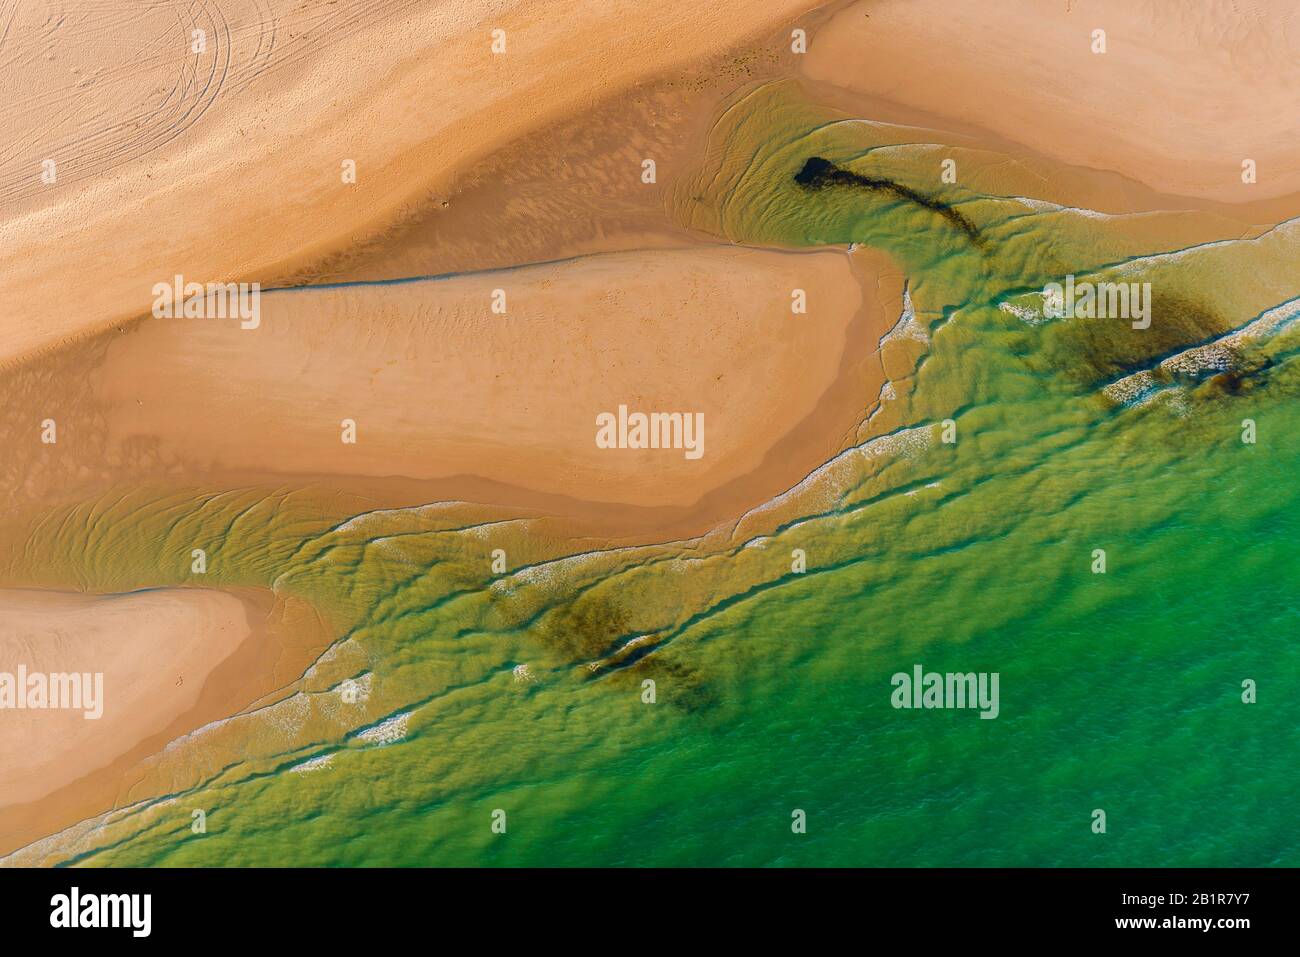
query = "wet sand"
x=228 y=164
x=172 y=660
x=1182 y=95
x=448 y=397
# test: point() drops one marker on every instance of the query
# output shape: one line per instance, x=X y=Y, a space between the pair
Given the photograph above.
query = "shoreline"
x=1058 y=94
x=243 y=675
x=774 y=415
x=539 y=82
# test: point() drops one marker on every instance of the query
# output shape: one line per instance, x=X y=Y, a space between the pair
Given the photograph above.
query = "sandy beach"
x=1176 y=102
x=442 y=389
x=154 y=650
x=228 y=164
x=171 y=660
x=469 y=293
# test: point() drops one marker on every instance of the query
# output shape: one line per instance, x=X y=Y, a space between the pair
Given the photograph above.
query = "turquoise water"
x=523 y=693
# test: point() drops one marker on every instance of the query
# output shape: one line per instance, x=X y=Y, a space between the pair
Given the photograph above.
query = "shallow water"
x=523 y=692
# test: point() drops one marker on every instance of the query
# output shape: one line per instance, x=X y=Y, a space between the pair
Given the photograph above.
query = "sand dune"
x=1183 y=94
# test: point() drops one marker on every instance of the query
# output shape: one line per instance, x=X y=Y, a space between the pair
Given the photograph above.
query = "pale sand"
x=1184 y=93
x=155 y=650
x=225 y=164
x=440 y=387
x=173 y=659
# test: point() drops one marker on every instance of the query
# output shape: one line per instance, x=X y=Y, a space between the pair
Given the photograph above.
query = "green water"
x=1119 y=691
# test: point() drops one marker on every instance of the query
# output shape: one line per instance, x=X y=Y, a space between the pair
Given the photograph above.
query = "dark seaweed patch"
x=819 y=173
x=1241 y=379
x=587 y=628
x=678 y=686
x=1095 y=352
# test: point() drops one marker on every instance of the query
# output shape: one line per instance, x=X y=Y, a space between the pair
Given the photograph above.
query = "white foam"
x=1023 y=313
x=559 y=568
x=1139 y=265
x=358 y=689
x=1043 y=206
x=318 y=763
x=387 y=731
x=907 y=326
x=905 y=443
x=1213 y=356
